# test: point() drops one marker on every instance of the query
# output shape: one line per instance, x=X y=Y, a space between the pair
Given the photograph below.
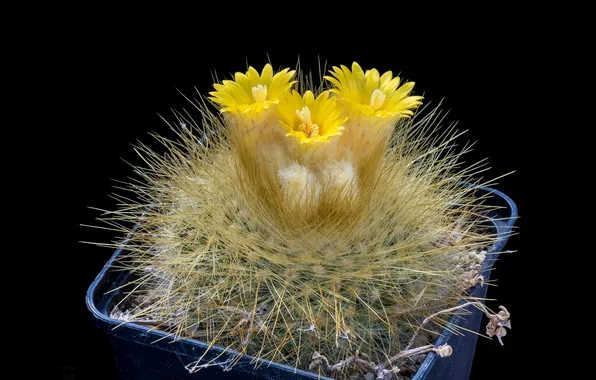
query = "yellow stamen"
x=304 y=115
x=377 y=99
x=259 y=93
x=308 y=119
x=307 y=126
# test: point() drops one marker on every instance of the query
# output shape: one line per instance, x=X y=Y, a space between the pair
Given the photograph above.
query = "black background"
x=115 y=92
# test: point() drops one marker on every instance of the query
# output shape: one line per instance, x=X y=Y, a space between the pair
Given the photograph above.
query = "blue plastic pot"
x=142 y=353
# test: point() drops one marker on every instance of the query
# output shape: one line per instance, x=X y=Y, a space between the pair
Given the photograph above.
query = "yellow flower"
x=371 y=94
x=310 y=120
x=251 y=91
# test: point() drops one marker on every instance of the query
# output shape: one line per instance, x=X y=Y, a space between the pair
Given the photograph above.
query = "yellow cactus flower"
x=371 y=94
x=251 y=91
x=310 y=120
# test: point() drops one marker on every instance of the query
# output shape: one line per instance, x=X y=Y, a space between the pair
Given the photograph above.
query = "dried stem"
x=382 y=371
x=451 y=309
x=408 y=353
x=320 y=361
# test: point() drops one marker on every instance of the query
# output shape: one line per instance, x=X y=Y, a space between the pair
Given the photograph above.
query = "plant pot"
x=143 y=353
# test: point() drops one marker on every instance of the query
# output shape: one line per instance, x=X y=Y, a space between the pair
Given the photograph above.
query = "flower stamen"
x=259 y=92
x=377 y=99
x=307 y=126
x=310 y=120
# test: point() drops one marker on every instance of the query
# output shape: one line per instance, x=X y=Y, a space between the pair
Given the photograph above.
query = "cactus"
x=303 y=228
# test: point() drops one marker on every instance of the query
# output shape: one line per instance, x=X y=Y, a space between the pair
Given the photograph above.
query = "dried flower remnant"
x=497 y=324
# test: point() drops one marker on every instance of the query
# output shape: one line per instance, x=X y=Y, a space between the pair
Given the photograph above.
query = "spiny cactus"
x=304 y=227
